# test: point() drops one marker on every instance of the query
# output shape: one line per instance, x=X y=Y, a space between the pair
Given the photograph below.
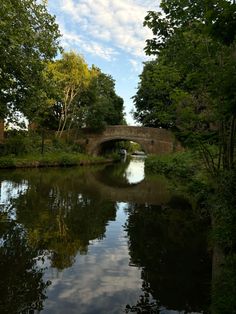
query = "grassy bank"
x=55 y=159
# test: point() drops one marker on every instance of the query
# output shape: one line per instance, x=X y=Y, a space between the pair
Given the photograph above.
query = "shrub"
x=7 y=162
x=68 y=160
x=21 y=143
x=179 y=164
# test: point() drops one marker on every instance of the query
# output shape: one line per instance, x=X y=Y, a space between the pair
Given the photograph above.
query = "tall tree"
x=202 y=101
x=29 y=36
x=214 y=17
x=104 y=106
x=153 y=101
x=79 y=96
x=70 y=76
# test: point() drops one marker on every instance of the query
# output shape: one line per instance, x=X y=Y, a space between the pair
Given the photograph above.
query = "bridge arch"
x=152 y=140
x=94 y=150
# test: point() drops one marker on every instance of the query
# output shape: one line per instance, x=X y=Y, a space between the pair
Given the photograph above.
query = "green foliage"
x=68 y=160
x=20 y=143
x=186 y=175
x=24 y=149
x=102 y=106
x=216 y=17
x=95 y=117
x=175 y=165
x=152 y=101
x=191 y=86
x=131 y=147
x=69 y=77
x=223 y=204
x=29 y=36
x=50 y=93
x=7 y=162
x=81 y=97
x=49 y=159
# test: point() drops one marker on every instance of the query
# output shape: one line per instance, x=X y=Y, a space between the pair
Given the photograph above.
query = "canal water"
x=100 y=240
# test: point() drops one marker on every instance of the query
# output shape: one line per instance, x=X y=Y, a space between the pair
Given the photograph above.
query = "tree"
x=214 y=17
x=102 y=106
x=29 y=36
x=202 y=100
x=153 y=101
x=70 y=77
x=80 y=96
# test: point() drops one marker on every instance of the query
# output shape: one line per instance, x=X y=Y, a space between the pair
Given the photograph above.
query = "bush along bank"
x=25 y=150
x=185 y=175
x=215 y=197
x=60 y=159
x=179 y=165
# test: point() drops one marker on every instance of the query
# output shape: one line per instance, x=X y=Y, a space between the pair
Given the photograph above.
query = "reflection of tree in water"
x=169 y=244
x=62 y=215
x=145 y=304
x=21 y=285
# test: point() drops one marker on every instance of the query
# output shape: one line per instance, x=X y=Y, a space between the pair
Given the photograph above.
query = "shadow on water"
x=22 y=288
x=169 y=244
x=78 y=221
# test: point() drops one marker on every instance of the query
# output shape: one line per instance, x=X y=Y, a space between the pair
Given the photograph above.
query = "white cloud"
x=111 y=30
x=137 y=65
x=108 y=22
x=72 y=40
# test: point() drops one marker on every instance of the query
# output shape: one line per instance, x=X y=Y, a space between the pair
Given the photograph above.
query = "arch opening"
x=110 y=146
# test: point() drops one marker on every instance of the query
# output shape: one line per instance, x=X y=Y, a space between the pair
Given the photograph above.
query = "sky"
x=110 y=35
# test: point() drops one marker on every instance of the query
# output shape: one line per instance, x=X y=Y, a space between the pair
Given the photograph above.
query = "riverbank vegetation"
x=44 y=87
x=190 y=89
x=29 y=149
x=59 y=159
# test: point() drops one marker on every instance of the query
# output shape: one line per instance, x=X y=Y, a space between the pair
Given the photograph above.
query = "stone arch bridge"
x=152 y=140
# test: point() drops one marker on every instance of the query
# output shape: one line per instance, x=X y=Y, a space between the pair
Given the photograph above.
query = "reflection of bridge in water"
x=93 y=184
x=147 y=191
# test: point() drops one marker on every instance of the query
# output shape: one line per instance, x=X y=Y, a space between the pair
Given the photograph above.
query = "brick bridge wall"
x=152 y=140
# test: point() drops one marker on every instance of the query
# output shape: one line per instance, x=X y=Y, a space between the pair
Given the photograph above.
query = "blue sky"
x=109 y=34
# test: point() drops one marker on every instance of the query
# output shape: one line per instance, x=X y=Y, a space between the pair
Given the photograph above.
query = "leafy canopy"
x=190 y=87
x=29 y=36
x=80 y=96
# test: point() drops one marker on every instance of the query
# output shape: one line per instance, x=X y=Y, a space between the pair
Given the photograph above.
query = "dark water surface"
x=99 y=240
